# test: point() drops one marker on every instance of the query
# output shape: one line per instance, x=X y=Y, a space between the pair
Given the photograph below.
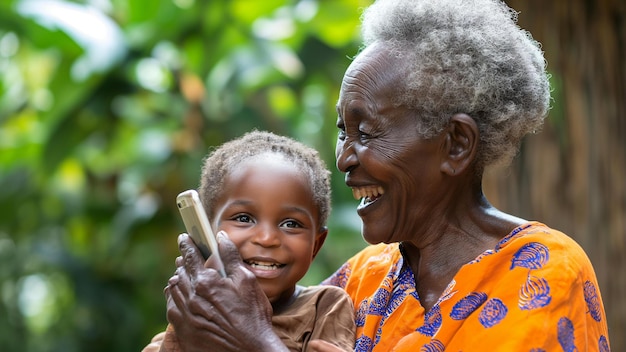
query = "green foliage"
x=105 y=115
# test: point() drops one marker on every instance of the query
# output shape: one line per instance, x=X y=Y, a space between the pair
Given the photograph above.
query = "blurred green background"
x=107 y=108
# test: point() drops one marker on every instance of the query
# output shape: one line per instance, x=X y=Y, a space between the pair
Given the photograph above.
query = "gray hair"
x=465 y=56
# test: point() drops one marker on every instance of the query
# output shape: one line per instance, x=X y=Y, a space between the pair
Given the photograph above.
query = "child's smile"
x=267 y=209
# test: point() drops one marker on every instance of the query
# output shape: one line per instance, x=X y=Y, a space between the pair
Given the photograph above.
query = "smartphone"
x=198 y=226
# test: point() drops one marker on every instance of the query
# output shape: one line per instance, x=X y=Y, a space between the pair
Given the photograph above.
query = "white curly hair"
x=465 y=56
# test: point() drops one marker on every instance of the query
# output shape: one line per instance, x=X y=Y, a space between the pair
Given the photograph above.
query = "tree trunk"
x=571 y=176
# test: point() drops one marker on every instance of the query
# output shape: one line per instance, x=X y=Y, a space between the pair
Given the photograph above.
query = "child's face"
x=267 y=209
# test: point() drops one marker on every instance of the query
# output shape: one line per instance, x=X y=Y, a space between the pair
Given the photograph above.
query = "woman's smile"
x=368 y=195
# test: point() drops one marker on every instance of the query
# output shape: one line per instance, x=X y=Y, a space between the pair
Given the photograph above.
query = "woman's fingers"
x=211 y=312
x=192 y=260
x=175 y=306
x=229 y=253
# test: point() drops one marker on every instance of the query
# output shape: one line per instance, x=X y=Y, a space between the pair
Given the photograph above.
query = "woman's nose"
x=346 y=156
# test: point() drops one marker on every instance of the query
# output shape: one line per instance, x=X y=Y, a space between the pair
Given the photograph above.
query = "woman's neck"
x=458 y=239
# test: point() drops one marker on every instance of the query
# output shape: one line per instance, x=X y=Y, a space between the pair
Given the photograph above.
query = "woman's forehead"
x=375 y=66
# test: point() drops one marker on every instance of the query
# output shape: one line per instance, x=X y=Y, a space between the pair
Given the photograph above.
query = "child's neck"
x=285 y=302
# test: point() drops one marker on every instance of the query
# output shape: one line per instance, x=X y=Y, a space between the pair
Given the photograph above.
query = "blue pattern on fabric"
x=492 y=313
x=565 y=334
x=433 y=346
x=535 y=293
x=363 y=344
x=448 y=293
x=467 y=305
x=378 y=304
x=432 y=322
x=401 y=285
x=361 y=314
x=593 y=303
x=603 y=344
x=384 y=303
x=510 y=236
x=379 y=332
x=482 y=255
x=340 y=277
x=532 y=255
x=537 y=350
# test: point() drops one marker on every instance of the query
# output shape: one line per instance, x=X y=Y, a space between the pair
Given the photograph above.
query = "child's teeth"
x=265 y=266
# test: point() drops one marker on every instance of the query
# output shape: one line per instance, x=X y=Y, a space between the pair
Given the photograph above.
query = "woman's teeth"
x=370 y=193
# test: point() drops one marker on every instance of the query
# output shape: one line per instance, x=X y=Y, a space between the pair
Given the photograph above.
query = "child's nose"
x=266 y=236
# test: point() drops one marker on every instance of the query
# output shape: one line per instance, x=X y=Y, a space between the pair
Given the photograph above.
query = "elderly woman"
x=441 y=91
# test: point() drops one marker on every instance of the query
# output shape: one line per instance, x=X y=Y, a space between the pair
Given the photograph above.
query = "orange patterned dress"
x=535 y=291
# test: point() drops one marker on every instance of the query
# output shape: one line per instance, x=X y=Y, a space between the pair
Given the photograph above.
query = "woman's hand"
x=210 y=312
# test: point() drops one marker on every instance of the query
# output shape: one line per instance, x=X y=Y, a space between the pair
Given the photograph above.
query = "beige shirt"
x=318 y=312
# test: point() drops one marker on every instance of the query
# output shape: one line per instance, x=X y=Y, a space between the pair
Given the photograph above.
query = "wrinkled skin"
x=212 y=313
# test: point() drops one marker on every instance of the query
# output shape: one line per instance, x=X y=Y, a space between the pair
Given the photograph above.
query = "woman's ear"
x=462 y=138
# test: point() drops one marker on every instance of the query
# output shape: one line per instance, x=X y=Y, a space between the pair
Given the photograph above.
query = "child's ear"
x=319 y=240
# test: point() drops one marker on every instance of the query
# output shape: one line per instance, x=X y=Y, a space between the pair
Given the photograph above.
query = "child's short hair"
x=221 y=161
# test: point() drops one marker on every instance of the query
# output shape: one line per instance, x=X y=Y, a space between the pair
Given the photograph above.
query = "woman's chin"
x=372 y=235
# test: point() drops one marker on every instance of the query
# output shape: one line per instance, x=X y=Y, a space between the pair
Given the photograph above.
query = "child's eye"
x=243 y=218
x=291 y=224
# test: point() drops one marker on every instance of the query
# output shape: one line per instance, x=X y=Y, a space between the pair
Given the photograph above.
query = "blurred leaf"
x=247 y=11
x=90 y=164
x=44 y=38
x=71 y=130
x=336 y=23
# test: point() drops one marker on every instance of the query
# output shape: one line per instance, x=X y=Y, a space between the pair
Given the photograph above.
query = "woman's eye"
x=341 y=135
x=243 y=218
x=363 y=136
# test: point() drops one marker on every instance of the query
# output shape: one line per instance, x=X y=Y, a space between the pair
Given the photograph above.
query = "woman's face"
x=394 y=171
x=267 y=210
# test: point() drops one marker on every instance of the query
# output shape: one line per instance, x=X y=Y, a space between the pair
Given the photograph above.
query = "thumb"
x=228 y=253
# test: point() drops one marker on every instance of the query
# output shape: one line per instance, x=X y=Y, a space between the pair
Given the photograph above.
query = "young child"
x=271 y=195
